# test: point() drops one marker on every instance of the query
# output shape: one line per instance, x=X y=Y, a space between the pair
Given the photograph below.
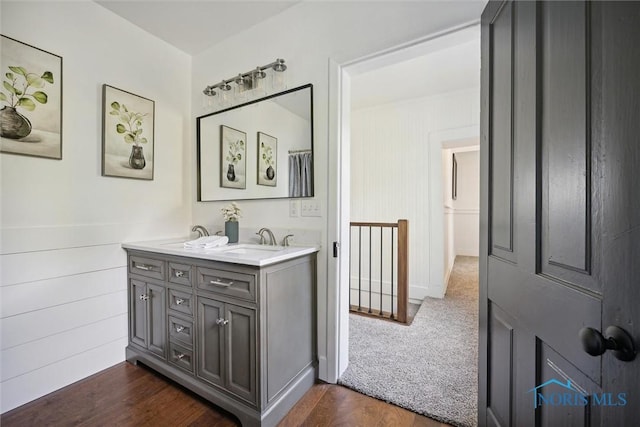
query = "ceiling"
x=445 y=64
x=452 y=65
x=194 y=26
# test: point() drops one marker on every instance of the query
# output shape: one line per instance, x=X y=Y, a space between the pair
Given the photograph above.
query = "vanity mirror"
x=262 y=149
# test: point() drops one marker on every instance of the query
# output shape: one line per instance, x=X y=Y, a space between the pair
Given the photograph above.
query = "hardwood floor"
x=128 y=395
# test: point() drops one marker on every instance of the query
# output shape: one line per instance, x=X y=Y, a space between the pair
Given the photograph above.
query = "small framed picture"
x=31 y=100
x=233 y=159
x=267 y=160
x=127 y=134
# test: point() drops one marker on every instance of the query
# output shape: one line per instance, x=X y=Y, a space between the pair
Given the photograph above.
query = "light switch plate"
x=310 y=207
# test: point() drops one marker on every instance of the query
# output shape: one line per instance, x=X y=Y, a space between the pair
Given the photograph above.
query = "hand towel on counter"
x=207 y=242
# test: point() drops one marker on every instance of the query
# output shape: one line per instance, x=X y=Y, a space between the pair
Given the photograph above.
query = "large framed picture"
x=127 y=134
x=233 y=159
x=267 y=160
x=31 y=99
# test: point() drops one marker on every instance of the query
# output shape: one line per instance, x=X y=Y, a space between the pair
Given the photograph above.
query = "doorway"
x=432 y=123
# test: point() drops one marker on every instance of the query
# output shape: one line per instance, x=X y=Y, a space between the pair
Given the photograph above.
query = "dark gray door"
x=560 y=214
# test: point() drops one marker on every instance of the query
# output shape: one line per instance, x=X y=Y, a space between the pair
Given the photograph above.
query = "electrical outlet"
x=294 y=208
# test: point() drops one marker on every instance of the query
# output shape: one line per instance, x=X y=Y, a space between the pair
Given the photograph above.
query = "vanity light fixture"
x=252 y=82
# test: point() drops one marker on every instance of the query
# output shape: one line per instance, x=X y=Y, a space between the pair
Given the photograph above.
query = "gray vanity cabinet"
x=241 y=336
x=147 y=316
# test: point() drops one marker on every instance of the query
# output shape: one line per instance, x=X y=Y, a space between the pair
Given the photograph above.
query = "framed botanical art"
x=127 y=134
x=233 y=159
x=31 y=100
x=267 y=160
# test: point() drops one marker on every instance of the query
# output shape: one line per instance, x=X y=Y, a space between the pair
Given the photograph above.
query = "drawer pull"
x=222 y=322
x=179 y=273
x=180 y=328
x=180 y=356
x=219 y=282
x=143 y=267
x=144 y=297
x=179 y=301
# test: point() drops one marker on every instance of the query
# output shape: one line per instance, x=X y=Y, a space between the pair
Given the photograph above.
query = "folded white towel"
x=207 y=242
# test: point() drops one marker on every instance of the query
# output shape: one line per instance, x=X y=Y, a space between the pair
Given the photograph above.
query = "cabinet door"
x=210 y=341
x=138 y=316
x=241 y=351
x=157 y=319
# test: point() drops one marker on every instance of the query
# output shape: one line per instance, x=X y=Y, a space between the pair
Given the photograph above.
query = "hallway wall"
x=390 y=168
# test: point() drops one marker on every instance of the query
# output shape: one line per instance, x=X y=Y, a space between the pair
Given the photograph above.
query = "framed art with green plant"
x=233 y=158
x=127 y=134
x=267 y=160
x=31 y=99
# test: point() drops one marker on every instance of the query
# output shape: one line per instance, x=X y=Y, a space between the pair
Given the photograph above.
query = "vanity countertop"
x=237 y=253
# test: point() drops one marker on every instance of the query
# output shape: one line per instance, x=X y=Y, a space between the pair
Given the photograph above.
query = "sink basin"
x=248 y=249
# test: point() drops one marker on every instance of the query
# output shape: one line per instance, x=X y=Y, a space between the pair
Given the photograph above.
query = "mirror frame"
x=198 y=148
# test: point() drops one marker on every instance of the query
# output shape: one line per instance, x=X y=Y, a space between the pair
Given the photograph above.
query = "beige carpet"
x=429 y=367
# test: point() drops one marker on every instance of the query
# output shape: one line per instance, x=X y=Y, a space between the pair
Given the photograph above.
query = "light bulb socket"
x=279 y=65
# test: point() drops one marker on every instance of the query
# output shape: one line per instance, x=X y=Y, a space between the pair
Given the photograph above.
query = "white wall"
x=308 y=35
x=63 y=308
x=390 y=176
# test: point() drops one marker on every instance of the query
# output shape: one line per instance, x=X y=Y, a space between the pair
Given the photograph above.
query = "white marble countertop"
x=237 y=253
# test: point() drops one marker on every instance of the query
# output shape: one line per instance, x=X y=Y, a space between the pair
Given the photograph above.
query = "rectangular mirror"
x=262 y=149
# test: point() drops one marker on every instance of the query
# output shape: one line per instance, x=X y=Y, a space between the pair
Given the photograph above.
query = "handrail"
x=402 y=267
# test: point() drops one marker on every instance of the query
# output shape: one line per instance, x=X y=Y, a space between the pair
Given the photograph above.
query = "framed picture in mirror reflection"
x=233 y=146
x=267 y=160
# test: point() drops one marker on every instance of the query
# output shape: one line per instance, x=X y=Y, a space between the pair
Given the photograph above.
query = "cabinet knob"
x=179 y=273
x=144 y=297
x=179 y=328
x=179 y=356
x=221 y=322
x=179 y=301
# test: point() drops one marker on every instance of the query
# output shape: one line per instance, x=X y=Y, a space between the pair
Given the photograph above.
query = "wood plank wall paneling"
x=63 y=306
x=389 y=167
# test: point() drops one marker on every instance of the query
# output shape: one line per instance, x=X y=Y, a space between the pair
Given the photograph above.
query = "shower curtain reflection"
x=300 y=174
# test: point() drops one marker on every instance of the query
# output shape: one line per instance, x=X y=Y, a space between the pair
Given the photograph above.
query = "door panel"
x=501 y=128
x=550 y=366
x=138 y=318
x=575 y=205
x=501 y=351
x=241 y=352
x=211 y=357
x=566 y=141
x=157 y=307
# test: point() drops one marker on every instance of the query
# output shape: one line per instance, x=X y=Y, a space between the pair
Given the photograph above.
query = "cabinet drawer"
x=180 y=274
x=229 y=283
x=181 y=330
x=181 y=356
x=148 y=267
x=181 y=301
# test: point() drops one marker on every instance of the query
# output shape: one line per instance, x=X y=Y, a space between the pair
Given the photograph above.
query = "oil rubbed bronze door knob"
x=615 y=339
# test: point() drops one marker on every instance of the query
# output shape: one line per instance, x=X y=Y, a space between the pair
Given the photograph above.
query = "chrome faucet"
x=201 y=230
x=272 y=238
